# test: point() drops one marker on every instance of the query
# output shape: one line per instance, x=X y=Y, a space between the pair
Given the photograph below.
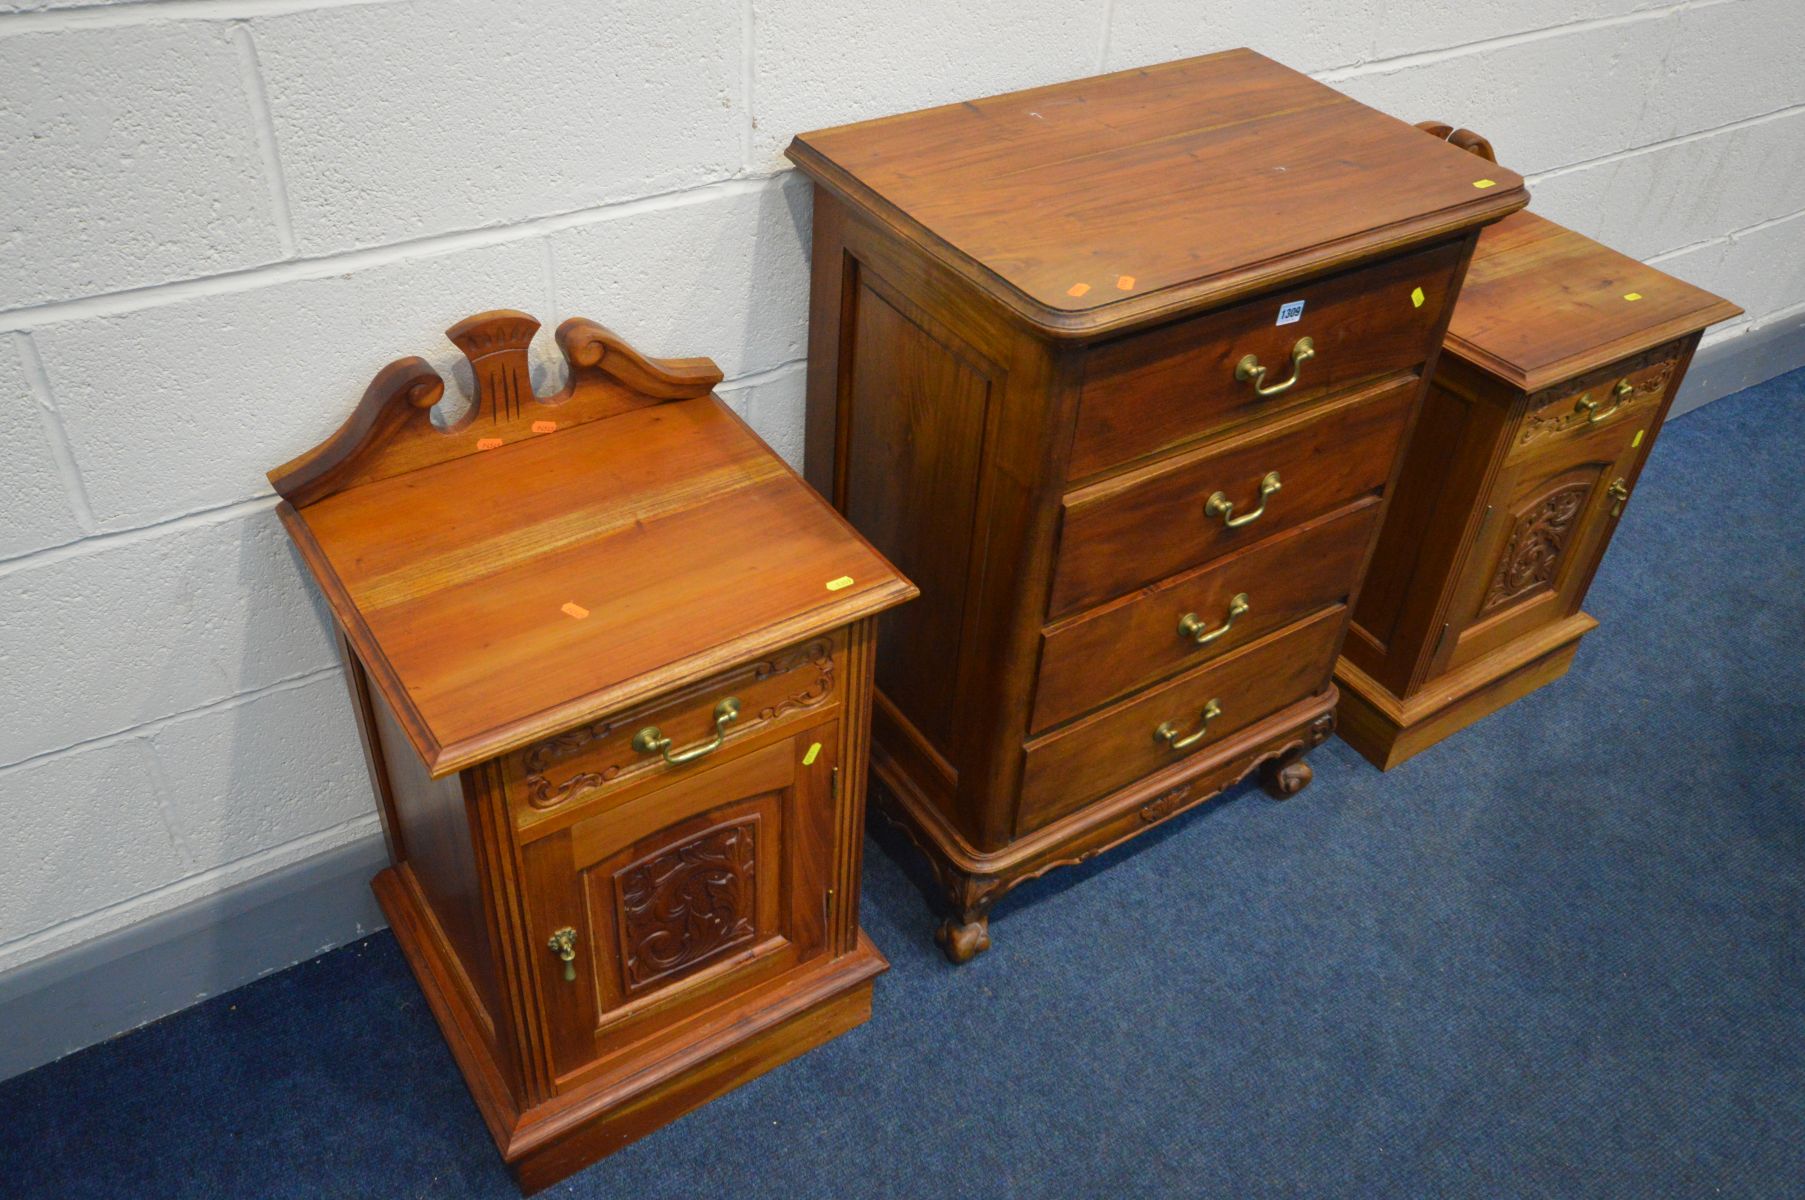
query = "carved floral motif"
x=687 y=903
x=1535 y=546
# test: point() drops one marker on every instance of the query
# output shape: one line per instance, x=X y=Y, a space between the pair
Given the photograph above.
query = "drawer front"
x=1092 y=757
x=1144 y=526
x=1624 y=393
x=646 y=913
x=595 y=761
x=1202 y=614
x=1157 y=390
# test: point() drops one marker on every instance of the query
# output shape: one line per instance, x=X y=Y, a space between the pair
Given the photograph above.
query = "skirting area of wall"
x=111 y=984
x=1743 y=361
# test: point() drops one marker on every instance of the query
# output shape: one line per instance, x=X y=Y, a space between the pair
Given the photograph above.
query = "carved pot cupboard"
x=611 y=659
x=1556 y=372
x=1119 y=371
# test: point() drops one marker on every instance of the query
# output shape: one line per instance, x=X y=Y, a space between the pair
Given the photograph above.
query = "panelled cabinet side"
x=448 y=846
x=920 y=388
x=1433 y=515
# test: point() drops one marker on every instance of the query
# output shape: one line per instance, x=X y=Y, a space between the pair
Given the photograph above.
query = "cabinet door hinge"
x=836 y=783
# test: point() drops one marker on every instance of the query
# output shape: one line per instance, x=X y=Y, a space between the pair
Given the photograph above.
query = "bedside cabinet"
x=1556 y=373
x=611 y=660
x=1119 y=371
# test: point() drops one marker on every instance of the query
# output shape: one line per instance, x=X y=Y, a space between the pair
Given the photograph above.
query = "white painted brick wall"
x=131 y=159
x=397 y=120
x=186 y=405
x=219 y=217
x=39 y=511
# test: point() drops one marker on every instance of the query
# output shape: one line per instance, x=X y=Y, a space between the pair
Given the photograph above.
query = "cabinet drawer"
x=1156 y=390
x=590 y=761
x=1095 y=657
x=1136 y=528
x=1091 y=757
x=1624 y=392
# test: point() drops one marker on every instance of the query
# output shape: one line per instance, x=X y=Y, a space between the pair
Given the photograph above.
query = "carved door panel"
x=1549 y=521
x=681 y=898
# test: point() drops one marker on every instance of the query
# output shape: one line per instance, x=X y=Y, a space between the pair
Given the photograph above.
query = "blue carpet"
x=1561 y=954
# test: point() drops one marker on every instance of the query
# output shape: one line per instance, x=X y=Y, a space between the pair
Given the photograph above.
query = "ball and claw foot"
x=1287 y=779
x=963 y=941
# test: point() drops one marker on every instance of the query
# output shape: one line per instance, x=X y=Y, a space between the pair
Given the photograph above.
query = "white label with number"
x=1291 y=314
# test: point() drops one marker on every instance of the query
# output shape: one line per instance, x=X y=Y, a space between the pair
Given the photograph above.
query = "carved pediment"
x=392 y=432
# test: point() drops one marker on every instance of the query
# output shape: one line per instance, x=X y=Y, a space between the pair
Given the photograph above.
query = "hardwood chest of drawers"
x=1556 y=372
x=611 y=660
x=1118 y=371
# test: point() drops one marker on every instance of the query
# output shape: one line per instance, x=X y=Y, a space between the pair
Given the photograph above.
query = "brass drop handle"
x=1219 y=505
x=1168 y=732
x=1619 y=491
x=1250 y=370
x=1590 y=407
x=650 y=741
x=564 y=944
x=1189 y=626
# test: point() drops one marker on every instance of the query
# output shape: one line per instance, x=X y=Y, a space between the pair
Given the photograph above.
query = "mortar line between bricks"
x=554 y=314
x=147 y=728
x=340 y=262
x=1699 y=135
x=757 y=378
x=150 y=12
x=74 y=489
x=1421 y=58
x=17 y=951
x=162 y=791
x=1725 y=239
x=250 y=69
x=1729 y=331
x=103 y=540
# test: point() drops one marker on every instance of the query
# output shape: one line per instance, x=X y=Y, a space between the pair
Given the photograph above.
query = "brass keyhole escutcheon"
x=1619 y=492
x=563 y=943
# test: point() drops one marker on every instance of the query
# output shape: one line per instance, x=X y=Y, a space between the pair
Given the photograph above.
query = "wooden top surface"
x=687 y=541
x=1542 y=303
x=501 y=596
x=1104 y=201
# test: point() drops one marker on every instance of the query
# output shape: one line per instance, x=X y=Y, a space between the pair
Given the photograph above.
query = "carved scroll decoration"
x=687 y=904
x=1534 y=550
x=391 y=430
x=818 y=654
x=541 y=793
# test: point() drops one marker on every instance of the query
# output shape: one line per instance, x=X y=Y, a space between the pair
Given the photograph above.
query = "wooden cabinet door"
x=680 y=899
x=1551 y=516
